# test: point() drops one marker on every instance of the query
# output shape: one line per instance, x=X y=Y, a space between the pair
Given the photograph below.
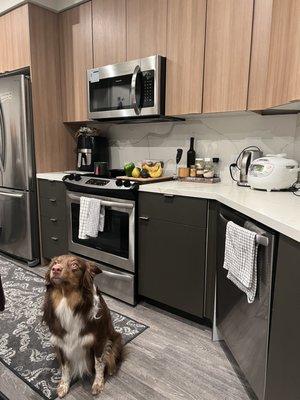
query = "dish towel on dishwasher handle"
x=91 y=217
x=240 y=258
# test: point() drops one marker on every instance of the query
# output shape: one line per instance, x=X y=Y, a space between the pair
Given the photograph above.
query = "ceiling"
x=55 y=5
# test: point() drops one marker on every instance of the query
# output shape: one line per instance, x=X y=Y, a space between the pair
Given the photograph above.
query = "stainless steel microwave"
x=129 y=89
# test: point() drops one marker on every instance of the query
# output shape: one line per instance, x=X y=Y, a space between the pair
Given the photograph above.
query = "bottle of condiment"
x=193 y=171
x=191 y=154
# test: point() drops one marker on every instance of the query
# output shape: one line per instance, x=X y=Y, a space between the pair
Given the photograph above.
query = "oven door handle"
x=106 y=202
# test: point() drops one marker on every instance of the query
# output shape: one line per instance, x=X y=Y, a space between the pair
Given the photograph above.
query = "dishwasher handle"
x=260 y=239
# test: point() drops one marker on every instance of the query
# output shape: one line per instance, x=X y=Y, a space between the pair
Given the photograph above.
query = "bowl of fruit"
x=147 y=169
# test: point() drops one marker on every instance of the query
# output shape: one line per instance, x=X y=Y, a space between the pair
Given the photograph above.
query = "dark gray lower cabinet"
x=283 y=380
x=52 y=203
x=172 y=254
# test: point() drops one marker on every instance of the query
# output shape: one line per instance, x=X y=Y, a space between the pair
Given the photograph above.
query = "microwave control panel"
x=148 y=88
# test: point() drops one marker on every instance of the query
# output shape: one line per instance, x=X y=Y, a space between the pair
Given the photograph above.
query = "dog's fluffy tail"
x=114 y=353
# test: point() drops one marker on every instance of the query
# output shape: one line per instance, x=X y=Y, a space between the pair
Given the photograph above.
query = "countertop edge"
x=163 y=188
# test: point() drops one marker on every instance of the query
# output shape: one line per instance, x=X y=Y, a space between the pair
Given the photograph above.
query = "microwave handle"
x=136 y=107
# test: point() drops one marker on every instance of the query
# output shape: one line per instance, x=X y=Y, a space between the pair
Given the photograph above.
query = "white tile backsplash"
x=218 y=136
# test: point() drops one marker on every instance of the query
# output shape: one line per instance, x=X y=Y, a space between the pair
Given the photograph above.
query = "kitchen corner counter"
x=277 y=210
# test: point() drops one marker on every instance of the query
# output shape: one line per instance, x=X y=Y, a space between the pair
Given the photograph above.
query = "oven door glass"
x=116 y=244
x=115 y=237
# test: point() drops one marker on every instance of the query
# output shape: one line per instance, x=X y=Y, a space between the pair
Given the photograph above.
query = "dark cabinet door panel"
x=171 y=264
x=284 y=351
x=183 y=210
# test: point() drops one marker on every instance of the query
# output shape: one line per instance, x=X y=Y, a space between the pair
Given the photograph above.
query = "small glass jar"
x=199 y=167
x=209 y=168
x=209 y=165
x=193 y=171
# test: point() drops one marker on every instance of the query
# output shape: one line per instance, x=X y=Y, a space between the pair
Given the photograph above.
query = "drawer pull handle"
x=53 y=219
x=52 y=200
x=144 y=218
x=54 y=238
x=169 y=195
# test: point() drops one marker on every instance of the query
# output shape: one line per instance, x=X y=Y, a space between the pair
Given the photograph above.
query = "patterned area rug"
x=25 y=345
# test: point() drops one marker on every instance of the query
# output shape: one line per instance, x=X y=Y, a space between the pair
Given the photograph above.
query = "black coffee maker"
x=91 y=149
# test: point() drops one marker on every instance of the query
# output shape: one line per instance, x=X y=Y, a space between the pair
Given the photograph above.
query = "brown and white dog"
x=80 y=323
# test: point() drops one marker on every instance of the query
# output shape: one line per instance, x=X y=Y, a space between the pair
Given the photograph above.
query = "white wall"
x=56 y=5
x=221 y=136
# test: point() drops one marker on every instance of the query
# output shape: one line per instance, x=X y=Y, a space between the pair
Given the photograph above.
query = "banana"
x=152 y=169
x=157 y=173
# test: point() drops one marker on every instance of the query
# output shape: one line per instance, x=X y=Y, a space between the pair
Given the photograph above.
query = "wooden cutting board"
x=143 y=181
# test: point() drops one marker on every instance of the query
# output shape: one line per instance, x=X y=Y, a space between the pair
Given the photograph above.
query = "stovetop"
x=101 y=186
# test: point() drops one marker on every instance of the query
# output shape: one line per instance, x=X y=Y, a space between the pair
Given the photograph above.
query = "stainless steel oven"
x=129 y=89
x=116 y=244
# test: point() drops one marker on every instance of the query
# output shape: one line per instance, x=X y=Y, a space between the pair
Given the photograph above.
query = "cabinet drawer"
x=53 y=208
x=52 y=189
x=179 y=209
x=54 y=237
x=54 y=225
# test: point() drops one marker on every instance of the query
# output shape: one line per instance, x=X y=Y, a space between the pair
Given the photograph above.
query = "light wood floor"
x=173 y=359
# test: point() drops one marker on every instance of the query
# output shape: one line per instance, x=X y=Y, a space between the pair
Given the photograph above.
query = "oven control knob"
x=119 y=182
x=127 y=184
x=71 y=177
x=77 y=177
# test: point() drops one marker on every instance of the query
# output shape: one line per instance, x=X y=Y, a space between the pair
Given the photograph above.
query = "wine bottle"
x=191 y=154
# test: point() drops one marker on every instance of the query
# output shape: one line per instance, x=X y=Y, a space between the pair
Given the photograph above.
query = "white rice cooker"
x=273 y=172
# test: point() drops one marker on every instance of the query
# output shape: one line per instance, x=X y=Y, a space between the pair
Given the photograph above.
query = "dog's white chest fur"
x=73 y=344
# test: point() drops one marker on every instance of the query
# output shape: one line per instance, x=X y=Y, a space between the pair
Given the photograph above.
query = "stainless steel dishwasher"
x=245 y=327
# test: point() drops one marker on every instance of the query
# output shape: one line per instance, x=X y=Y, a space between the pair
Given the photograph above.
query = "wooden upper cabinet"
x=109 y=31
x=2 y=46
x=185 y=56
x=76 y=53
x=146 y=28
x=227 y=55
x=275 y=73
x=15 y=44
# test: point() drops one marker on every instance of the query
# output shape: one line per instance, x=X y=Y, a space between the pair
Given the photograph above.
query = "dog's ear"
x=87 y=281
x=94 y=269
x=47 y=275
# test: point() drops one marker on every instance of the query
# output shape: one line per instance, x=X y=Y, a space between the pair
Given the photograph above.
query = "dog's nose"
x=56 y=269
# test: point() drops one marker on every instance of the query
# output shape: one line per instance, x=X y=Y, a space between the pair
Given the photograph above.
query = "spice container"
x=199 y=167
x=193 y=171
x=183 y=172
x=208 y=168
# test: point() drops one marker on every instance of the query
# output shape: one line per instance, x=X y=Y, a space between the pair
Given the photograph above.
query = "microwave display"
x=114 y=93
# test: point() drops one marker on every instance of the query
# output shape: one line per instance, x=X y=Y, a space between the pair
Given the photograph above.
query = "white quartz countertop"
x=51 y=176
x=278 y=210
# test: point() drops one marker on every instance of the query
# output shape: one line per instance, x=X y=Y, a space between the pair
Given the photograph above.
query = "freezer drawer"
x=18 y=224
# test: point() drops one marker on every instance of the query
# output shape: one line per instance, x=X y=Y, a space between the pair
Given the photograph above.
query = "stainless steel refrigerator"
x=18 y=202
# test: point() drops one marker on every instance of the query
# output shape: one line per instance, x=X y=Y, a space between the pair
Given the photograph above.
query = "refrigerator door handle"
x=15 y=195
x=2 y=139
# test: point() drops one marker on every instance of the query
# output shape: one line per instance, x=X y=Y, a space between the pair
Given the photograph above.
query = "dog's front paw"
x=62 y=389
x=97 y=387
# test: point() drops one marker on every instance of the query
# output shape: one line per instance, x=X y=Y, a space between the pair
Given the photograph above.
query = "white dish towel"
x=91 y=217
x=241 y=258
